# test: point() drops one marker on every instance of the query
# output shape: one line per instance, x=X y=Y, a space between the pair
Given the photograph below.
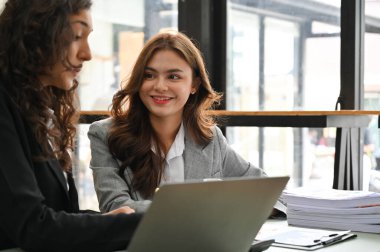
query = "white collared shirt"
x=174 y=163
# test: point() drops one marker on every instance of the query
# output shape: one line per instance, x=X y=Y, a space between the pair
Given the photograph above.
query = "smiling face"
x=63 y=73
x=167 y=85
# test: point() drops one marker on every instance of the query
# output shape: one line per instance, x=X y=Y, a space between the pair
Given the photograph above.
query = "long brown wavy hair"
x=34 y=36
x=131 y=134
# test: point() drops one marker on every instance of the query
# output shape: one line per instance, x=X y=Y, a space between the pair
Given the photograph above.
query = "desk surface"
x=364 y=242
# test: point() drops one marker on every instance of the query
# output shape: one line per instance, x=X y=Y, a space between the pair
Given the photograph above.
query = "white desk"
x=364 y=242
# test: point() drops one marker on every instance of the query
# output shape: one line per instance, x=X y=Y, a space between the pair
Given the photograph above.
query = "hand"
x=121 y=210
x=277 y=214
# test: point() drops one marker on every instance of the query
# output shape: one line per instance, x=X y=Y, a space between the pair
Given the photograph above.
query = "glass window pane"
x=371 y=158
x=243 y=48
x=284 y=56
x=279 y=64
x=372 y=55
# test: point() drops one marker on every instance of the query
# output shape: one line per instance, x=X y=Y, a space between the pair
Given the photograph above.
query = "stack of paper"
x=334 y=209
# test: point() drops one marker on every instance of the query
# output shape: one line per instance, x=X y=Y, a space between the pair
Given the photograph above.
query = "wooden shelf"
x=309 y=119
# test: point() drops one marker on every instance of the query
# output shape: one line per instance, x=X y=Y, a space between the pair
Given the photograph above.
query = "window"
x=371 y=158
x=372 y=55
x=284 y=55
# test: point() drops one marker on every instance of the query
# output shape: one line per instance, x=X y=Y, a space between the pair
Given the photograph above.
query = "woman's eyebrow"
x=168 y=71
x=174 y=70
x=83 y=23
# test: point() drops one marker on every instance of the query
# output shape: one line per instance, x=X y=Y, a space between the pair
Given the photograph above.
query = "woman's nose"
x=85 y=52
x=160 y=84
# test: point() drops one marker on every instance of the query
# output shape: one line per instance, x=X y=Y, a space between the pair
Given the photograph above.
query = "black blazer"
x=36 y=212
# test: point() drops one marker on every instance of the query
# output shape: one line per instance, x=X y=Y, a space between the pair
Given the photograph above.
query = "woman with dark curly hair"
x=43 y=47
x=161 y=130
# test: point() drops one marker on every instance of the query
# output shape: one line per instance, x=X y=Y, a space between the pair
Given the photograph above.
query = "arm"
x=25 y=219
x=112 y=190
x=235 y=166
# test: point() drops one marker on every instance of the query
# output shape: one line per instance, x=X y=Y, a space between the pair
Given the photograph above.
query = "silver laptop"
x=213 y=216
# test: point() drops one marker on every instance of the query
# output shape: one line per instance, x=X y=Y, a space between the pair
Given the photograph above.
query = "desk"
x=364 y=242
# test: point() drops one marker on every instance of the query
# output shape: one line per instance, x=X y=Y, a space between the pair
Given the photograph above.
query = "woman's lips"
x=161 y=99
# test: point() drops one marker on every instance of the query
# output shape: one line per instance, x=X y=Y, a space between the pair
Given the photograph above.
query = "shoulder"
x=218 y=136
x=216 y=139
x=217 y=132
x=219 y=141
x=100 y=127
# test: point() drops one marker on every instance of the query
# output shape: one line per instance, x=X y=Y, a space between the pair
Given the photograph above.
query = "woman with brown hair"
x=43 y=47
x=160 y=130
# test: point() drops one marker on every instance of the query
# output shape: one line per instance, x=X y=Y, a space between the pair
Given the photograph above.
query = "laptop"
x=212 y=216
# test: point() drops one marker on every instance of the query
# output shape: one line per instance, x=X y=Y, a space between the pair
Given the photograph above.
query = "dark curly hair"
x=131 y=135
x=34 y=36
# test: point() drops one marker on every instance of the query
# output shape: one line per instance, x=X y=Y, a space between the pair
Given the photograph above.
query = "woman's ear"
x=196 y=83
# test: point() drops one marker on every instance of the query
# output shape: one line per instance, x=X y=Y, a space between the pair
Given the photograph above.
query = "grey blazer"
x=214 y=160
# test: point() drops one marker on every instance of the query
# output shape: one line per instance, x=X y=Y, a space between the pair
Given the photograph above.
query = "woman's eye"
x=77 y=37
x=173 y=77
x=148 y=76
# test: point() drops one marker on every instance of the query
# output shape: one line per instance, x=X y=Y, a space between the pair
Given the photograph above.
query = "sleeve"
x=112 y=190
x=25 y=220
x=235 y=166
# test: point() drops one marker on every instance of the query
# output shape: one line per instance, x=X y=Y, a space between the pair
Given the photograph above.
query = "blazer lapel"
x=58 y=173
